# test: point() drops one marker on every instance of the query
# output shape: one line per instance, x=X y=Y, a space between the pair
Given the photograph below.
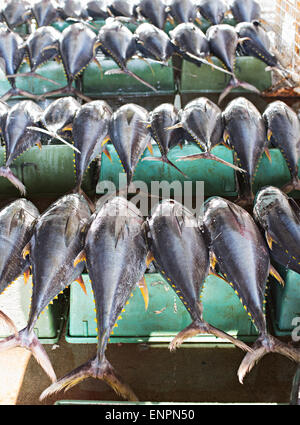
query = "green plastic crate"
x=205 y=79
x=52 y=70
x=54 y=174
x=159 y=76
x=286 y=303
x=165 y=316
x=15 y=302
x=218 y=179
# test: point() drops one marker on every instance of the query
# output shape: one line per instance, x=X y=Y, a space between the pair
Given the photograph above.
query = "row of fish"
x=116 y=246
x=132 y=129
x=157 y=12
x=77 y=46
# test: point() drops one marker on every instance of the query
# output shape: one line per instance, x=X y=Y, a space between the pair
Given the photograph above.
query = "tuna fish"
x=118 y=42
x=154 y=11
x=279 y=218
x=283 y=129
x=241 y=254
x=223 y=43
x=115 y=254
x=245 y=130
x=212 y=10
x=18 y=137
x=56 y=241
x=17 y=221
x=130 y=135
x=179 y=252
x=245 y=10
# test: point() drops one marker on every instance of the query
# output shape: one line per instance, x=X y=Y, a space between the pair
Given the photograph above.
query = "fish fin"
x=8 y=174
x=16 y=220
x=29 y=340
x=104 y=141
x=106 y=152
x=212 y=260
x=26 y=250
x=9 y=322
x=81 y=283
x=68 y=127
x=226 y=146
x=209 y=155
x=174 y=127
x=39 y=145
x=80 y=257
x=144 y=290
x=166 y=161
x=149 y=146
x=202 y=327
x=95 y=368
x=274 y=273
x=234 y=83
x=71 y=229
x=267 y=152
x=263 y=345
x=269 y=134
x=26 y=275
x=294 y=184
x=269 y=239
x=149 y=258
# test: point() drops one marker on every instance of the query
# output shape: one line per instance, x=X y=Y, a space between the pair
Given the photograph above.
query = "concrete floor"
x=191 y=374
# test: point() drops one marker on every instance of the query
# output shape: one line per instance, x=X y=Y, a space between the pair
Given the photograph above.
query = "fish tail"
x=95 y=368
x=166 y=161
x=9 y=322
x=209 y=155
x=8 y=174
x=263 y=345
x=202 y=327
x=29 y=340
x=78 y=189
x=234 y=83
x=294 y=184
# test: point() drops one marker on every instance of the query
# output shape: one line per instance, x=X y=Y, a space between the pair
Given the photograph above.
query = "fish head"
x=188 y=37
x=153 y=42
x=155 y=11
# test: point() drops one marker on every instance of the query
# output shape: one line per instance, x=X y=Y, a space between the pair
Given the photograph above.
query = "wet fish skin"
x=245 y=11
x=57 y=239
x=115 y=252
x=4 y=109
x=72 y=9
x=17 y=221
x=38 y=44
x=125 y=8
x=12 y=52
x=90 y=129
x=60 y=114
x=117 y=41
x=190 y=39
x=183 y=10
x=163 y=116
x=283 y=128
x=16 y=12
x=181 y=255
x=17 y=137
x=242 y=257
x=246 y=130
x=129 y=134
x=279 y=218
x=97 y=9
x=259 y=43
x=77 y=49
x=212 y=10
x=202 y=121
x=154 y=11
x=45 y=12
x=154 y=43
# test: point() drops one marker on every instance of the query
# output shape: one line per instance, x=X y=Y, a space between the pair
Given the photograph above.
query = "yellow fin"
x=144 y=290
x=274 y=273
